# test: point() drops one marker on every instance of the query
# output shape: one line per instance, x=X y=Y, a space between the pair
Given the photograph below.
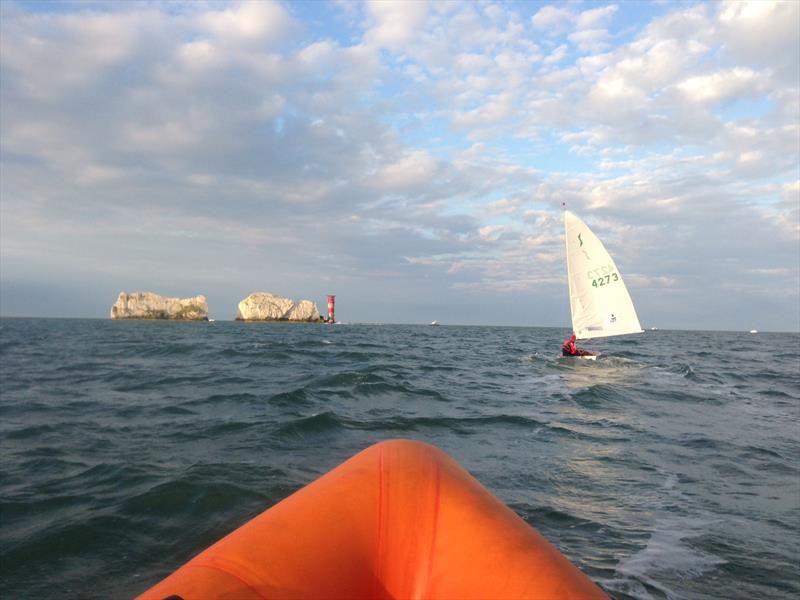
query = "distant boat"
x=754 y=331
x=598 y=299
x=434 y=322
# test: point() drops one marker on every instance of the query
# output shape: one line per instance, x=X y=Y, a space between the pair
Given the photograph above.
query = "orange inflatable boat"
x=399 y=520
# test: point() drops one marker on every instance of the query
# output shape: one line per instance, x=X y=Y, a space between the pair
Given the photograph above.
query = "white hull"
x=584 y=357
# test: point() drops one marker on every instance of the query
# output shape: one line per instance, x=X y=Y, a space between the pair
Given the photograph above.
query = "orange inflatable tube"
x=399 y=520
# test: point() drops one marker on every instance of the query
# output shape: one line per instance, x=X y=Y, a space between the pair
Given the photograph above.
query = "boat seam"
x=379 y=549
x=434 y=533
x=232 y=574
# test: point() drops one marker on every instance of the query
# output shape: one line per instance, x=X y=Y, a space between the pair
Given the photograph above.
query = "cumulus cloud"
x=505 y=206
x=590 y=40
x=199 y=54
x=394 y=24
x=408 y=144
x=592 y=18
x=551 y=17
x=264 y=22
x=763 y=34
x=45 y=55
x=412 y=170
x=724 y=85
x=589 y=33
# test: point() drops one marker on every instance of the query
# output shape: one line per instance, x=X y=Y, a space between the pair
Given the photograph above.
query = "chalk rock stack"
x=263 y=306
x=147 y=305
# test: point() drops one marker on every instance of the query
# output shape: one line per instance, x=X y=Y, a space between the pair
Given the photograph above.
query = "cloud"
x=494 y=108
x=592 y=18
x=263 y=22
x=412 y=170
x=394 y=24
x=200 y=54
x=505 y=206
x=491 y=232
x=590 y=40
x=724 y=85
x=762 y=33
x=45 y=55
x=421 y=148
x=551 y=17
x=556 y=56
x=589 y=34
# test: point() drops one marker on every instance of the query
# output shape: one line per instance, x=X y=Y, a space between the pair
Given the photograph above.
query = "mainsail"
x=600 y=303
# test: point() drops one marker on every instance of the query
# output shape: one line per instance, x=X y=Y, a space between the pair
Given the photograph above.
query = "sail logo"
x=605 y=280
x=601 y=272
x=612 y=318
x=580 y=240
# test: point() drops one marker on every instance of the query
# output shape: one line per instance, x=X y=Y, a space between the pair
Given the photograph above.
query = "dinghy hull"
x=399 y=520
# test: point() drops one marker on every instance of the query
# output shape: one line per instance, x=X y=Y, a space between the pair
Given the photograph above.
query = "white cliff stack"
x=264 y=306
x=147 y=305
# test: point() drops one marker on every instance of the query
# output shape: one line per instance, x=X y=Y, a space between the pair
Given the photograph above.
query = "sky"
x=411 y=158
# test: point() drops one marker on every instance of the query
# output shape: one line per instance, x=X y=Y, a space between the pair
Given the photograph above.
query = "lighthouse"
x=331 y=302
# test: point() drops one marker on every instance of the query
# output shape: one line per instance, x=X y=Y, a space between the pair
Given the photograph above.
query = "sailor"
x=569 y=348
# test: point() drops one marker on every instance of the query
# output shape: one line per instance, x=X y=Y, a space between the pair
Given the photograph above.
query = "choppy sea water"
x=669 y=468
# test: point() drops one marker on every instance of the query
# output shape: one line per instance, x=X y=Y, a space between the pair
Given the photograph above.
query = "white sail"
x=600 y=303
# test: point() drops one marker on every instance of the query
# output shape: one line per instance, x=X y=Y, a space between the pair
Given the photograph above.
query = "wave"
x=311 y=425
x=233 y=398
x=462 y=425
x=176 y=410
x=196 y=493
x=33 y=431
x=667 y=558
x=127 y=447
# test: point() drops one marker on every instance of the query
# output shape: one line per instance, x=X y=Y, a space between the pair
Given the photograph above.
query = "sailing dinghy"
x=598 y=299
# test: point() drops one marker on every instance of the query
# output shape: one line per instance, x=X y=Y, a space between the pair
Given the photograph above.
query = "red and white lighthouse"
x=331 y=302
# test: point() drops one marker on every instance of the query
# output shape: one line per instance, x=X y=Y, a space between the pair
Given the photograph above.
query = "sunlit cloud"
x=376 y=143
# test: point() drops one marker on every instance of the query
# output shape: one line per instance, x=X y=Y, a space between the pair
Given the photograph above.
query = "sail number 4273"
x=605 y=280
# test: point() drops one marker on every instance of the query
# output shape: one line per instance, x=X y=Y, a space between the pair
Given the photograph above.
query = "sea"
x=669 y=468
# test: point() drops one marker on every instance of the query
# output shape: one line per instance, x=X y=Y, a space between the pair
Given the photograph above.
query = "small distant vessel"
x=211 y=320
x=598 y=299
x=434 y=322
x=754 y=331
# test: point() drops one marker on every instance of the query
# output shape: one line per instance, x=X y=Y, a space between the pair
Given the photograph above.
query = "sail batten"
x=599 y=301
